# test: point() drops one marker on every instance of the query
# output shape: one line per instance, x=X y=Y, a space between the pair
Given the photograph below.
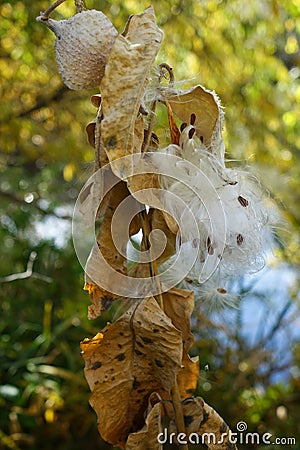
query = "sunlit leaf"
x=138 y=354
x=123 y=86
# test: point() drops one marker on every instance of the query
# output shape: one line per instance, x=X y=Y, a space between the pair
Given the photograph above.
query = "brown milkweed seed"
x=239 y=239
x=243 y=201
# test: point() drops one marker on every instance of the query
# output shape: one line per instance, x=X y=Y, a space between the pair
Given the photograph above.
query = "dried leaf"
x=188 y=375
x=214 y=423
x=146 y=438
x=142 y=27
x=203 y=103
x=145 y=187
x=179 y=305
x=123 y=86
x=111 y=232
x=193 y=415
x=101 y=300
x=171 y=222
x=138 y=354
x=202 y=420
x=158 y=222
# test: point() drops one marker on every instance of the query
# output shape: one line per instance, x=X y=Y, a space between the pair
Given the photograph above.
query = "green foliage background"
x=249 y=52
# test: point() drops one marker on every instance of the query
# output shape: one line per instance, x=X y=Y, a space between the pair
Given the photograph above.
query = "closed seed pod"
x=83 y=44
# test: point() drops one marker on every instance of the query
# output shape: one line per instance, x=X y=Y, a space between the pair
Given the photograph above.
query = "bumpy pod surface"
x=83 y=44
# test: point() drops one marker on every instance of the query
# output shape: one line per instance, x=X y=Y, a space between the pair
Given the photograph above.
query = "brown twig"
x=178 y=413
x=176 y=399
x=44 y=15
x=165 y=67
x=148 y=135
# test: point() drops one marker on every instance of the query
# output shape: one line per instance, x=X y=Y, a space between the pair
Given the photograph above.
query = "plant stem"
x=45 y=15
x=179 y=418
x=150 y=128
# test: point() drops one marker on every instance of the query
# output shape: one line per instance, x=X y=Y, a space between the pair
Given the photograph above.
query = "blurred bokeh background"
x=249 y=53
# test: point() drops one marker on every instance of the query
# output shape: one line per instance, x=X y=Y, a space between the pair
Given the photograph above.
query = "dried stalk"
x=44 y=15
x=178 y=413
x=147 y=139
x=175 y=394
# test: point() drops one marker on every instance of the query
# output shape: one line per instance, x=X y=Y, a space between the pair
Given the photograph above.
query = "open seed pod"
x=83 y=43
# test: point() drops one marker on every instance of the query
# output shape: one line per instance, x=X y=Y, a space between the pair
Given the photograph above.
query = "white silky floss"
x=238 y=249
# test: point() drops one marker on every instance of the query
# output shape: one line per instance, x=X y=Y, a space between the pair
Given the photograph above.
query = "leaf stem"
x=146 y=245
x=44 y=15
x=148 y=136
x=165 y=67
x=178 y=412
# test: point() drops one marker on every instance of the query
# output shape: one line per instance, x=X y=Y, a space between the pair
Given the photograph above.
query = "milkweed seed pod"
x=83 y=44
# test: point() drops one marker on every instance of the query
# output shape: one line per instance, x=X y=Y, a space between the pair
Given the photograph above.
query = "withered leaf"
x=146 y=438
x=142 y=27
x=202 y=420
x=214 y=423
x=179 y=305
x=110 y=233
x=138 y=354
x=158 y=222
x=146 y=188
x=188 y=375
x=193 y=415
x=123 y=86
x=143 y=186
x=101 y=299
x=171 y=222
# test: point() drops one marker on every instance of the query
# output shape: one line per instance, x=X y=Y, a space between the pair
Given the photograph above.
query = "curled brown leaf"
x=138 y=354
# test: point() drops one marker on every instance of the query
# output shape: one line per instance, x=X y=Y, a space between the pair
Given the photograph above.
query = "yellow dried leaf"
x=158 y=221
x=144 y=187
x=188 y=375
x=202 y=420
x=138 y=354
x=179 y=305
x=105 y=239
x=193 y=414
x=101 y=300
x=216 y=425
x=123 y=86
x=171 y=222
x=109 y=234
